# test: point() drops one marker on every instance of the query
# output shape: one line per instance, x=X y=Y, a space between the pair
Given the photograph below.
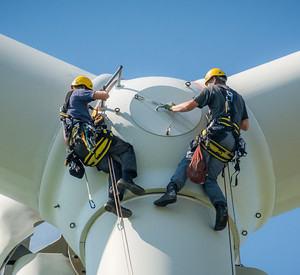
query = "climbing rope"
x=158 y=104
x=233 y=208
x=115 y=192
x=229 y=236
x=121 y=225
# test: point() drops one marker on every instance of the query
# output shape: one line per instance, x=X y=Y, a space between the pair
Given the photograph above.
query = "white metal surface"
x=145 y=114
x=242 y=270
x=33 y=88
x=272 y=93
x=43 y=264
x=16 y=224
x=168 y=241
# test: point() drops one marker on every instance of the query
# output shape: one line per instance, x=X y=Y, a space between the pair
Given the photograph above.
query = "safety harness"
x=224 y=124
x=88 y=143
x=212 y=146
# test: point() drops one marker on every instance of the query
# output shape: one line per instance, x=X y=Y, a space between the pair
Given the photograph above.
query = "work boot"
x=221 y=217
x=130 y=185
x=110 y=206
x=169 y=197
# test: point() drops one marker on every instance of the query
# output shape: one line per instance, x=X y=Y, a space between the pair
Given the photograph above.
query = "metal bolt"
x=72 y=224
x=244 y=232
x=258 y=215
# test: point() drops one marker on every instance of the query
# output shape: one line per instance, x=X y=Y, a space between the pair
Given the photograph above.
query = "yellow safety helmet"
x=214 y=72
x=82 y=80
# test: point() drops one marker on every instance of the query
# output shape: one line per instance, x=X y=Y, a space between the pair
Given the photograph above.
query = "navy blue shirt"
x=78 y=108
x=78 y=105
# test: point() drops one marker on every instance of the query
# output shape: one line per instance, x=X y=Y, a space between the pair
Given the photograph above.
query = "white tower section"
x=178 y=239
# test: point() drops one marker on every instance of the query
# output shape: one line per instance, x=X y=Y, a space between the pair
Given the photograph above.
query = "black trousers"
x=124 y=165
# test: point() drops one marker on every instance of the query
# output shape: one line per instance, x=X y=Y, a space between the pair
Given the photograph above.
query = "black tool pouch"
x=76 y=168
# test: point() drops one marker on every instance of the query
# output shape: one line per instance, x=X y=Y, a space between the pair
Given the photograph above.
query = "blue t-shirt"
x=78 y=105
x=78 y=108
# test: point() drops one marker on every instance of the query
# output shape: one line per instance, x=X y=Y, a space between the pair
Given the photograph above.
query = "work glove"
x=169 y=106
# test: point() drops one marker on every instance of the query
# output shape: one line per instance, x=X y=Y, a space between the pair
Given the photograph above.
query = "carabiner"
x=159 y=107
x=120 y=225
x=229 y=96
x=92 y=204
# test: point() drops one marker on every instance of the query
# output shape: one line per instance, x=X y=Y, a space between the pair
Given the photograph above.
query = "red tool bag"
x=196 y=170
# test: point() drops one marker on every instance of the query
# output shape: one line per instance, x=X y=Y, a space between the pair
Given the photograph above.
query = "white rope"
x=233 y=210
x=91 y=202
x=121 y=225
x=229 y=236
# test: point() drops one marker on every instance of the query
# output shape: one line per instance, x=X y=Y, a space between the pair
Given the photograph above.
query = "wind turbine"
x=179 y=239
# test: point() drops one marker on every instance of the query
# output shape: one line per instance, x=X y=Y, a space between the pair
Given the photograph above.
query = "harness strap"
x=213 y=147
x=67 y=100
x=84 y=140
x=227 y=122
x=63 y=115
x=64 y=108
x=94 y=156
x=218 y=151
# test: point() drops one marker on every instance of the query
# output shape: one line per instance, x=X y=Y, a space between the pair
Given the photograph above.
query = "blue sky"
x=181 y=39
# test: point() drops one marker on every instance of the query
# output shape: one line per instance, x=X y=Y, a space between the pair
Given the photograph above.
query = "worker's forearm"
x=185 y=106
x=180 y=108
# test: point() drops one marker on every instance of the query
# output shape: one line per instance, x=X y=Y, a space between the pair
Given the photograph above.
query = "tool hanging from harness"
x=210 y=136
x=88 y=144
